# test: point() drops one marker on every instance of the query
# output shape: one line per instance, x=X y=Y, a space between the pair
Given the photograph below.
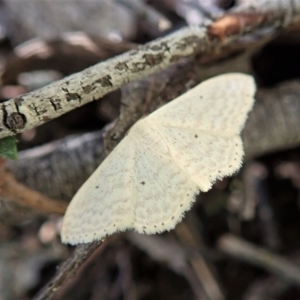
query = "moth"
x=151 y=178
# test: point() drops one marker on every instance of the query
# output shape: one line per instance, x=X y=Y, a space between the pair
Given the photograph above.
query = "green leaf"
x=8 y=147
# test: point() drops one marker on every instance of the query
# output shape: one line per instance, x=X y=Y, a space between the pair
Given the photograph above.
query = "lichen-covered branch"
x=40 y=106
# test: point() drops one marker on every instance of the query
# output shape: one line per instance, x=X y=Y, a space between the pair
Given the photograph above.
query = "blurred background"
x=239 y=241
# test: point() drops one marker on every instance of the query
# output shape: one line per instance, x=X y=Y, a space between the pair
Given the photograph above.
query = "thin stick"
x=68 y=269
x=245 y=251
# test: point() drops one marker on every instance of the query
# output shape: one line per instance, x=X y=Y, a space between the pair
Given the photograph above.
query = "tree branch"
x=35 y=108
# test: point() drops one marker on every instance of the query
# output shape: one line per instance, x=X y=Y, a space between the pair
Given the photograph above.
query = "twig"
x=68 y=269
x=245 y=251
x=37 y=107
